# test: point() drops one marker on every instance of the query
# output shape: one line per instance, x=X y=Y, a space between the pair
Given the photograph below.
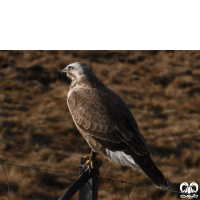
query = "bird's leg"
x=91 y=159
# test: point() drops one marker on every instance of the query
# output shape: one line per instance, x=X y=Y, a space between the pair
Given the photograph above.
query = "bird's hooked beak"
x=64 y=71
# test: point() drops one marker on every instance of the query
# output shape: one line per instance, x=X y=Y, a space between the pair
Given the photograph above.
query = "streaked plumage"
x=107 y=124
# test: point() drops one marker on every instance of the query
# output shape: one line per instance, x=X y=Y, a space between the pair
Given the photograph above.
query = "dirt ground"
x=162 y=89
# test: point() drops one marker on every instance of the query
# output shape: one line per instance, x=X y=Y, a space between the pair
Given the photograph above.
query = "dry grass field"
x=162 y=89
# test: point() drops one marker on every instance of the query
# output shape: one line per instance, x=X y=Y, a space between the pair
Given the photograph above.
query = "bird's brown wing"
x=104 y=115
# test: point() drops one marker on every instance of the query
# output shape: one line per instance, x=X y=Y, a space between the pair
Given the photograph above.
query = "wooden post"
x=87 y=183
x=90 y=190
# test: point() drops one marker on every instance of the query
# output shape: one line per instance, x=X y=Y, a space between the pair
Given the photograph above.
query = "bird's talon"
x=86 y=163
x=91 y=162
x=87 y=157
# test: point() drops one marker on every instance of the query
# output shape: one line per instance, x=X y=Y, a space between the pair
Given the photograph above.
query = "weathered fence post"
x=90 y=190
x=87 y=183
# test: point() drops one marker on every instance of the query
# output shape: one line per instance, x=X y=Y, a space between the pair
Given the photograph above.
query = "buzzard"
x=107 y=124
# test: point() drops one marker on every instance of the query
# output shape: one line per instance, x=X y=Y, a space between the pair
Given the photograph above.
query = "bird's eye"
x=71 y=67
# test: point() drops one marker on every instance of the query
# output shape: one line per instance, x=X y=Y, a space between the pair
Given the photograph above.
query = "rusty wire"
x=67 y=173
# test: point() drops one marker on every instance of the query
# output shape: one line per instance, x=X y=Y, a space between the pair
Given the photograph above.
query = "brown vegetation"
x=162 y=89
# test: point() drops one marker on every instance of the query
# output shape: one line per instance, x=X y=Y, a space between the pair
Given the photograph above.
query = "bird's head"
x=75 y=71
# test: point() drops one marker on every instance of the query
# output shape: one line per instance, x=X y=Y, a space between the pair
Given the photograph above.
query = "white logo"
x=189 y=190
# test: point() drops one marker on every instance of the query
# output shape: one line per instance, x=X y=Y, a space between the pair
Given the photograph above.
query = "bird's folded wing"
x=105 y=116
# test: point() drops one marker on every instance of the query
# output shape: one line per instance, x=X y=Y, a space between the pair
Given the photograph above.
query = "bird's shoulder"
x=102 y=97
x=99 y=94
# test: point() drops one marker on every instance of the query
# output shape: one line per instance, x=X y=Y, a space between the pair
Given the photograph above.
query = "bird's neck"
x=92 y=81
x=87 y=79
x=73 y=83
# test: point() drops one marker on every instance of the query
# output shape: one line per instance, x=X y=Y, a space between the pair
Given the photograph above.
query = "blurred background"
x=162 y=89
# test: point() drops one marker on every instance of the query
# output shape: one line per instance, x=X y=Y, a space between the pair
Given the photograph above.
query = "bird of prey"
x=107 y=124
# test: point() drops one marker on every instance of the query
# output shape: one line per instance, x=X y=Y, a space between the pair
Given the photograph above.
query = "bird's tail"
x=149 y=168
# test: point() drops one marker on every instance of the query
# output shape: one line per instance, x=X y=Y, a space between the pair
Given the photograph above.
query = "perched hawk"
x=107 y=124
